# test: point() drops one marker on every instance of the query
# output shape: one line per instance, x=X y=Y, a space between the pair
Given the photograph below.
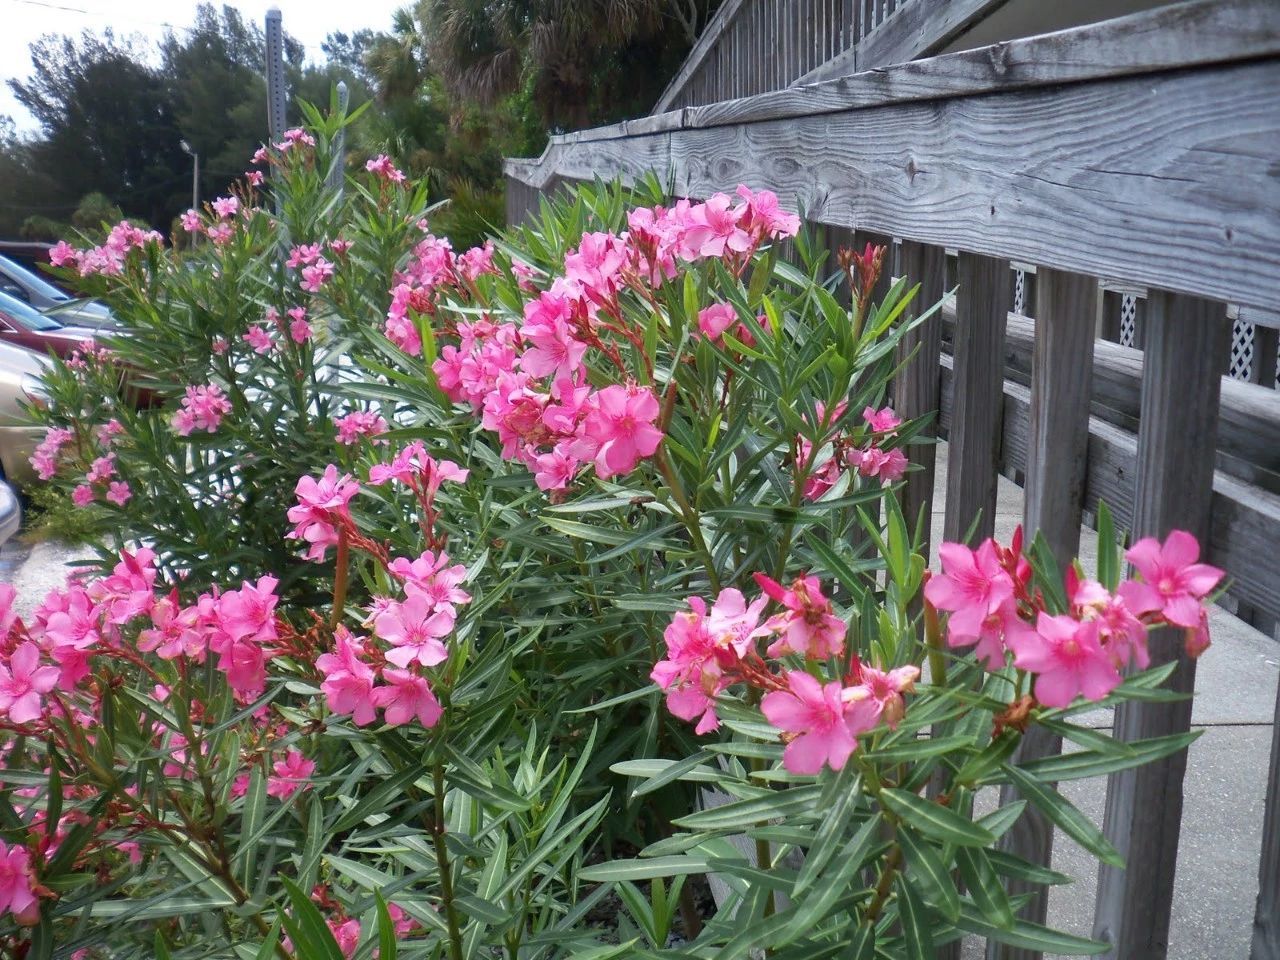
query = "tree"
x=106 y=120
x=588 y=60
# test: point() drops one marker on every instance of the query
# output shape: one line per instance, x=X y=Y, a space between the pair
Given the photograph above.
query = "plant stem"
x=444 y=865
x=340 y=582
x=690 y=517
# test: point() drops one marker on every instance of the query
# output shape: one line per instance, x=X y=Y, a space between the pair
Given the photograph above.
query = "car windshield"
x=32 y=279
x=25 y=315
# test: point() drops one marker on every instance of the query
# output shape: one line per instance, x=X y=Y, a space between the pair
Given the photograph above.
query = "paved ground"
x=1217 y=883
x=1226 y=779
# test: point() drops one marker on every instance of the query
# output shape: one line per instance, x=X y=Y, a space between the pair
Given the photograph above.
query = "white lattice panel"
x=1128 y=319
x=1241 y=350
x=1019 y=292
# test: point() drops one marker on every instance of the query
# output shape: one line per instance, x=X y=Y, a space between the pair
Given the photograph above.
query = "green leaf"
x=984 y=886
x=935 y=820
x=1108 y=549
x=821 y=894
x=383 y=795
x=744 y=813
x=1088 y=763
x=999 y=821
x=643 y=869
x=305 y=925
x=1064 y=814
x=1028 y=935
x=917 y=936
x=927 y=866
x=386 y=930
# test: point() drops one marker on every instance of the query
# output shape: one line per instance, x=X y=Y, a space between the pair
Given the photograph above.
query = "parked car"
x=20 y=372
x=10 y=513
x=24 y=326
x=28 y=286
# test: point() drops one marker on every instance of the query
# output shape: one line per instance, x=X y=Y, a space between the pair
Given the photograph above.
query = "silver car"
x=20 y=373
x=28 y=286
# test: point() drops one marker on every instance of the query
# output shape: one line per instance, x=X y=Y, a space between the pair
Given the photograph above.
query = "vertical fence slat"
x=1061 y=380
x=916 y=390
x=1266 y=918
x=1187 y=341
x=983 y=301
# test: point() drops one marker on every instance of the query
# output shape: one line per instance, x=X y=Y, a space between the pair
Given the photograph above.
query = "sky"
x=308 y=21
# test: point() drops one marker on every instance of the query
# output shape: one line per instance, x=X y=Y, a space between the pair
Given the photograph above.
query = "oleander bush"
x=490 y=608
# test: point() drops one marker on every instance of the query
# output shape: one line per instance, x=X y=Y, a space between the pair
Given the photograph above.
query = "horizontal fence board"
x=1246 y=520
x=1248 y=415
x=1198 y=33
x=1160 y=179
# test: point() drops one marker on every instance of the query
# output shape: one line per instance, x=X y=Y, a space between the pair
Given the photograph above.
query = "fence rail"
x=1137 y=154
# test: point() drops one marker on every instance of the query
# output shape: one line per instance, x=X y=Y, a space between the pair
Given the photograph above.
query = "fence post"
x=983 y=302
x=1187 y=343
x=275 y=75
x=338 y=162
x=1061 y=381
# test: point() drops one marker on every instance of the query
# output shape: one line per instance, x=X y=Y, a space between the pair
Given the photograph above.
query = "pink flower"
x=302 y=255
x=291 y=775
x=809 y=625
x=62 y=254
x=320 y=503
x=249 y=613
x=17 y=894
x=347 y=934
x=881 y=421
x=45 y=457
x=23 y=684
x=765 y=216
x=878 y=697
x=621 y=426
x=972 y=587
x=191 y=221
x=348 y=682
x=553 y=347
x=813 y=714
x=555 y=470
x=713 y=230
x=714 y=320
x=82 y=495
x=119 y=492
x=226 y=207
x=888 y=466
x=220 y=234
x=254 y=178
x=414 y=629
x=1121 y=633
x=383 y=167
x=1173 y=583
x=317 y=275
x=406 y=697
x=299 y=329
x=702 y=653
x=259 y=339
x=202 y=409
x=430 y=576
x=357 y=424
x=1068 y=659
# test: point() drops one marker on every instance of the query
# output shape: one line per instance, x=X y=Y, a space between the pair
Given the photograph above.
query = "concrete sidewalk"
x=1225 y=787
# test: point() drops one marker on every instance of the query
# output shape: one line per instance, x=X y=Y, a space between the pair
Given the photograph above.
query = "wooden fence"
x=1137 y=155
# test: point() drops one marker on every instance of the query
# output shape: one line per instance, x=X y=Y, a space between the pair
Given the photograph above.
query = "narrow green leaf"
x=1064 y=814
x=927 y=866
x=1028 y=935
x=387 y=945
x=917 y=936
x=645 y=869
x=984 y=886
x=934 y=820
x=744 y=813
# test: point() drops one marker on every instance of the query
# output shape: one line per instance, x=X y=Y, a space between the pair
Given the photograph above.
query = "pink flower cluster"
x=360 y=423
x=109 y=258
x=986 y=594
x=99 y=478
x=346 y=930
x=851 y=450
x=384 y=168
x=45 y=457
x=17 y=885
x=413 y=630
x=321 y=509
x=202 y=408
x=710 y=650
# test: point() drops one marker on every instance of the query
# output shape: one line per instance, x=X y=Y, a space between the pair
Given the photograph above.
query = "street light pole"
x=195 y=174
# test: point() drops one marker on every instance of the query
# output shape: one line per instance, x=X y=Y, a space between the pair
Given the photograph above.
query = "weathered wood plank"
x=982 y=305
x=1186 y=341
x=1196 y=33
x=1061 y=382
x=916 y=388
x=1248 y=415
x=1156 y=179
x=916 y=28
x=1266 y=917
